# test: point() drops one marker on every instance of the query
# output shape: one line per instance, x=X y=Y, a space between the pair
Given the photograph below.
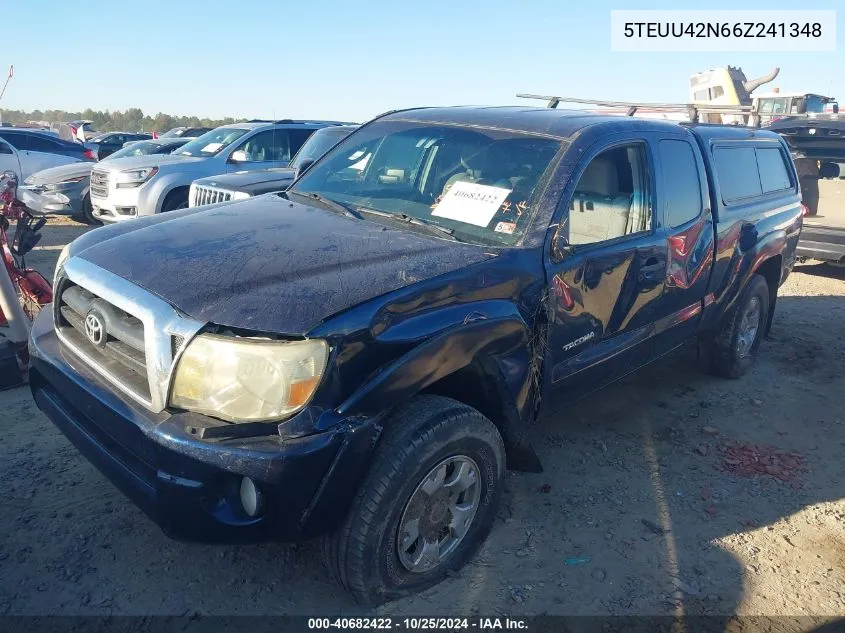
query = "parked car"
x=818 y=147
x=65 y=189
x=188 y=132
x=108 y=143
x=359 y=356
x=25 y=152
x=245 y=184
x=131 y=187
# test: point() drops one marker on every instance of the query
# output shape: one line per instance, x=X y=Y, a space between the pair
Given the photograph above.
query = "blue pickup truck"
x=360 y=357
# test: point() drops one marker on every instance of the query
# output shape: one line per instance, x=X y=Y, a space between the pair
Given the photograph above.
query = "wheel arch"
x=485 y=365
x=771 y=269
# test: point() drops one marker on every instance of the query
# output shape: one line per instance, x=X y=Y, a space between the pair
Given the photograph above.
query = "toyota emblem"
x=94 y=329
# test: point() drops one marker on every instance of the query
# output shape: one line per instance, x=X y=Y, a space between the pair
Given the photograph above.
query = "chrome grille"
x=202 y=195
x=99 y=184
x=121 y=331
x=106 y=333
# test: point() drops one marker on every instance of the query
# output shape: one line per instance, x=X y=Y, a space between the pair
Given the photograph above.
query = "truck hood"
x=150 y=160
x=269 y=264
x=246 y=178
x=60 y=173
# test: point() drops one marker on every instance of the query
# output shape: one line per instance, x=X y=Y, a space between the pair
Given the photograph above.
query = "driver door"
x=604 y=286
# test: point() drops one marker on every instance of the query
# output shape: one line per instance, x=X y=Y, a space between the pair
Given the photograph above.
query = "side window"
x=702 y=95
x=737 y=171
x=19 y=141
x=297 y=138
x=766 y=106
x=5 y=149
x=774 y=175
x=717 y=92
x=681 y=184
x=611 y=199
x=39 y=144
x=266 y=146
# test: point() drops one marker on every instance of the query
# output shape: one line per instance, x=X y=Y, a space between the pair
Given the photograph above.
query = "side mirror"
x=239 y=156
x=829 y=170
x=303 y=166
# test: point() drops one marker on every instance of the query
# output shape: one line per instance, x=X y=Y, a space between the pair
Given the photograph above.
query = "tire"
x=176 y=199
x=88 y=211
x=420 y=438
x=730 y=352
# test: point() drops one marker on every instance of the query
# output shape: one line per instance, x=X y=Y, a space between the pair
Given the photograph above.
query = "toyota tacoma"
x=360 y=357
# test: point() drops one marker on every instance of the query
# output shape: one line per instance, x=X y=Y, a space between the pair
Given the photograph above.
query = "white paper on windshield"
x=212 y=147
x=471 y=203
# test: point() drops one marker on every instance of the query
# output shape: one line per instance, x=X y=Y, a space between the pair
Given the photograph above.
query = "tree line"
x=131 y=120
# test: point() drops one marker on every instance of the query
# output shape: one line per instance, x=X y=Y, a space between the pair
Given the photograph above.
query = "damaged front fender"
x=485 y=363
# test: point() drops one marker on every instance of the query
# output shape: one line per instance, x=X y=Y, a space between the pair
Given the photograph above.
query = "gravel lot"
x=671 y=492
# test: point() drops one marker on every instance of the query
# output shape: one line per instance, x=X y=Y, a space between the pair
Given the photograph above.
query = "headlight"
x=245 y=379
x=134 y=177
x=240 y=195
x=59 y=263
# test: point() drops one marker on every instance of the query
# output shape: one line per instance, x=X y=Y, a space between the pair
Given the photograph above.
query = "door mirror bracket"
x=561 y=248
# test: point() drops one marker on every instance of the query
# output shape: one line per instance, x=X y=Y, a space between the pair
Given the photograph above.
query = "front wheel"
x=88 y=211
x=426 y=505
x=177 y=199
x=731 y=351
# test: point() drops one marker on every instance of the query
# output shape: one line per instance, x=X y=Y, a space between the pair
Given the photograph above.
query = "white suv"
x=126 y=188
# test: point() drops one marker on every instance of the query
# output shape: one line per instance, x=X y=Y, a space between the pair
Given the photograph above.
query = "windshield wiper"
x=432 y=227
x=330 y=204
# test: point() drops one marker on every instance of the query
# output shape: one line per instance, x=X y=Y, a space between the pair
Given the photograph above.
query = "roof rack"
x=632 y=107
x=693 y=110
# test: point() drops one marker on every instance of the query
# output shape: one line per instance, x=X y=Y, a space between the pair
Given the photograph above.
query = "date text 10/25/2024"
x=418 y=624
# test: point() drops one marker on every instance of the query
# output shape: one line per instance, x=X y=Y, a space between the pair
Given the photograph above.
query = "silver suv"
x=126 y=188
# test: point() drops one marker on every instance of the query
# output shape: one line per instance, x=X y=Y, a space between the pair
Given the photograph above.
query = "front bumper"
x=188 y=486
x=124 y=203
x=63 y=201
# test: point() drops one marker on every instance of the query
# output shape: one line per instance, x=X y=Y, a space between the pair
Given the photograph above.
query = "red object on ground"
x=748 y=460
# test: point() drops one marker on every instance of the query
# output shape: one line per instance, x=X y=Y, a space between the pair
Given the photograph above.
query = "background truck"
x=818 y=146
x=360 y=356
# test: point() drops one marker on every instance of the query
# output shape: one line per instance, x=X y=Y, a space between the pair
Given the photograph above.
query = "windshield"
x=479 y=184
x=213 y=142
x=815 y=103
x=177 y=131
x=318 y=144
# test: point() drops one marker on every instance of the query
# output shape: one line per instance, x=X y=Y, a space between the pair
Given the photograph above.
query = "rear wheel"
x=177 y=199
x=426 y=505
x=731 y=351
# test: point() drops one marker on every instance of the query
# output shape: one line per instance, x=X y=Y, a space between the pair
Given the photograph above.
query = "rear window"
x=748 y=172
x=774 y=175
x=738 y=175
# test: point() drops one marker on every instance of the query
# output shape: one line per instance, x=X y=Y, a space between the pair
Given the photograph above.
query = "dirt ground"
x=671 y=492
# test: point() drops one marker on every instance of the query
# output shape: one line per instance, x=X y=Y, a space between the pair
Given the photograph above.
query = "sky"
x=350 y=60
